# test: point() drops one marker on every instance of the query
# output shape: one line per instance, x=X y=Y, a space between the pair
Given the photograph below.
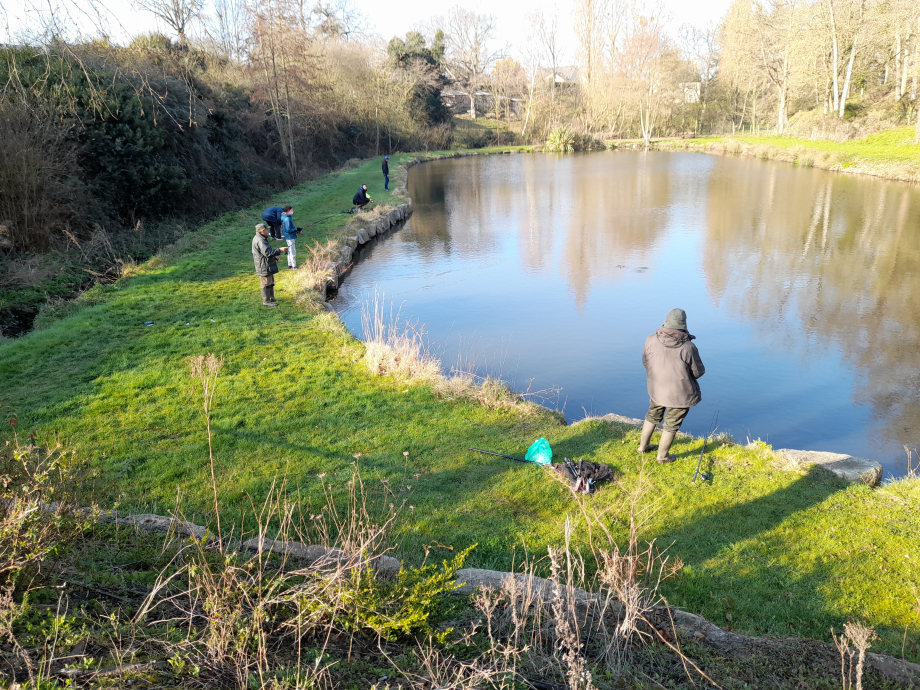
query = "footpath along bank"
x=763 y=549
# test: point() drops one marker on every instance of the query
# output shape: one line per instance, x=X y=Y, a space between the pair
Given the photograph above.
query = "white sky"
x=387 y=19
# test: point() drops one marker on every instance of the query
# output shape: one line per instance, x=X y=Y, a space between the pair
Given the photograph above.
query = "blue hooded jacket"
x=287 y=227
x=273 y=214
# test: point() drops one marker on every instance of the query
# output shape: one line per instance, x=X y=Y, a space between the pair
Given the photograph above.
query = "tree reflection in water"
x=802 y=285
x=817 y=259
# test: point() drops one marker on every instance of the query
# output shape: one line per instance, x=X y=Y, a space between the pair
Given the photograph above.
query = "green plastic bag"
x=540 y=452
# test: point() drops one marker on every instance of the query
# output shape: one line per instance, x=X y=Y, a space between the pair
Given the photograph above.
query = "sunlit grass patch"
x=791 y=553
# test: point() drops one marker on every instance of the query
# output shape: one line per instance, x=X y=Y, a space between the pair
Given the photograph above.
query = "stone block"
x=160 y=523
x=363 y=237
x=846 y=467
x=471 y=579
x=321 y=556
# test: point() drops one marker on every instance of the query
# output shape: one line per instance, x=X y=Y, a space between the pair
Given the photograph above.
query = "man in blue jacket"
x=290 y=235
x=273 y=218
x=386 y=172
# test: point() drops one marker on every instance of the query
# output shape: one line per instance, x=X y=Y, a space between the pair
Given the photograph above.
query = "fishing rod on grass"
x=712 y=427
x=539 y=453
x=324 y=218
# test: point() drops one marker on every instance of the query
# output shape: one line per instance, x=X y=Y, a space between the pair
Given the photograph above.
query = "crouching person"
x=672 y=366
x=265 y=258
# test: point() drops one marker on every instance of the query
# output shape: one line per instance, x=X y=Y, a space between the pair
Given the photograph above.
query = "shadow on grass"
x=740 y=566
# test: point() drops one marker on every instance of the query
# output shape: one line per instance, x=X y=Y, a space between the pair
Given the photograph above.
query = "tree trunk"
x=533 y=78
x=781 y=110
x=834 y=54
x=853 y=51
x=754 y=114
x=913 y=85
x=472 y=104
x=905 y=67
x=897 y=66
x=846 y=81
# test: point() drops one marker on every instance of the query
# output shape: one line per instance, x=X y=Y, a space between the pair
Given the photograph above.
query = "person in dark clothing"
x=274 y=217
x=386 y=173
x=264 y=256
x=672 y=365
x=361 y=199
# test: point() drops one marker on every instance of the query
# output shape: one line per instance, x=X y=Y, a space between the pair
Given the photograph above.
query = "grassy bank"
x=764 y=551
x=893 y=154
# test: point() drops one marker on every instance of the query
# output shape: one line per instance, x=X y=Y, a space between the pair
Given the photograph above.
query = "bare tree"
x=771 y=38
x=276 y=73
x=508 y=82
x=589 y=28
x=702 y=48
x=844 y=23
x=228 y=27
x=337 y=19
x=648 y=62
x=176 y=14
x=470 y=54
x=619 y=14
x=545 y=31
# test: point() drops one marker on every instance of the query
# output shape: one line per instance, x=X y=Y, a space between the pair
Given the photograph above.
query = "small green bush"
x=407 y=605
x=564 y=140
x=561 y=140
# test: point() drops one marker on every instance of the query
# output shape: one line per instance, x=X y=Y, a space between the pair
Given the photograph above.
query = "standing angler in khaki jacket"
x=672 y=365
x=265 y=258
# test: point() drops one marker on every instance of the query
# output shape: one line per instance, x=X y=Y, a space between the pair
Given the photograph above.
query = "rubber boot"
x=664 y=445
x=271 y=295
x=648 y=428
x=266 y=297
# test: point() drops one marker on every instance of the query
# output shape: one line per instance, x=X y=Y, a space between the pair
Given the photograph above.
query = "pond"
x=801 y=286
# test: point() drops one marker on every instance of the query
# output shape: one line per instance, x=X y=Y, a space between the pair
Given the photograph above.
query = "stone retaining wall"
x=847 y=467
x=359 y=231
x=584 y=604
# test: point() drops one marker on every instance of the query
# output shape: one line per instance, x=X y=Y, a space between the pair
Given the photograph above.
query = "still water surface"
x=801 y=286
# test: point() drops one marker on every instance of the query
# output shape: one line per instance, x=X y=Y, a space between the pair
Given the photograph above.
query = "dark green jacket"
x=263 y=255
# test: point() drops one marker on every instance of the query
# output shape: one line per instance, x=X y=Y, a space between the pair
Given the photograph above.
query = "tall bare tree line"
x=764 y=62
x=820 y=52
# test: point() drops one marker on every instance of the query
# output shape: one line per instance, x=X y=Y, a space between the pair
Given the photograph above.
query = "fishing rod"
x=325 y=218
x=501 y=455
x=712 y=426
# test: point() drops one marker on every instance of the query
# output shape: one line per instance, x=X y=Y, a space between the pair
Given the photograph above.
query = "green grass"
x=782 y=553
x=897 y=144
x=893 y=154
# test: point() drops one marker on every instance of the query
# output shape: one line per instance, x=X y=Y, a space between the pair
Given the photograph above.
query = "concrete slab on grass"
x=846 y=467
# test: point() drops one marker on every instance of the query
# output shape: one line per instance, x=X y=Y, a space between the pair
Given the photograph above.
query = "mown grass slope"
x=893 y=154
x=765 y=551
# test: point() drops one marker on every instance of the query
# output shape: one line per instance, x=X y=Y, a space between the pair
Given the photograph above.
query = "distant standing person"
x=290 y=235
x=273 y=217
x=264 y=256
x=361 y=199
x=672 y=365
x=386 y=173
